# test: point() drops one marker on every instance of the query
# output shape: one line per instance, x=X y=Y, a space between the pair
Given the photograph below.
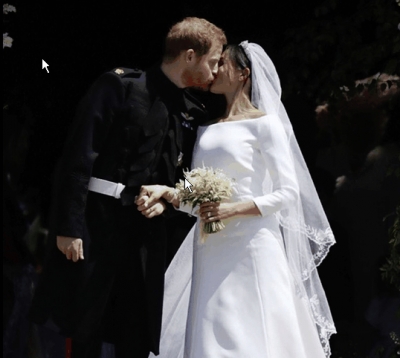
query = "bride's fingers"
x=210 y=208
x=144 y=206
x=151 y=201
x=209 y=205
x=208 y=214
x=141 y=200
x=211 y=219
x=203 y=212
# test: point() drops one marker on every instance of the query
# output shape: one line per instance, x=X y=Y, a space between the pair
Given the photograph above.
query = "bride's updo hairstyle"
x=238 y=56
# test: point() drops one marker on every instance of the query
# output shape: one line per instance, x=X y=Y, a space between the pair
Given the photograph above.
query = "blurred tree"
x=391 y=269
x=344 y=42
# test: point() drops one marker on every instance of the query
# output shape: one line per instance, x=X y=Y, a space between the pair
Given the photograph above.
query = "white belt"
x=106 y=187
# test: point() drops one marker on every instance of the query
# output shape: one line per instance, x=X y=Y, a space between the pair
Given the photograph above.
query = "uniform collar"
x=163 y=86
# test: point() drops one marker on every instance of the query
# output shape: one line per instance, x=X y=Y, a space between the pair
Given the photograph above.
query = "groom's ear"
x=189 y=55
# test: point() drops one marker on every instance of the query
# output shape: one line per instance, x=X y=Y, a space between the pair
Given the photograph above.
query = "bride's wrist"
x=247 y=208
x=170 y=195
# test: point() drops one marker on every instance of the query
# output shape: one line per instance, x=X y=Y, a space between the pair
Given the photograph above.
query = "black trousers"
x=125 y=320
x=92 y=349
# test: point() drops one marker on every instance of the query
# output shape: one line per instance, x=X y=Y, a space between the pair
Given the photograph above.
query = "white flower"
x=7 y=40
x=8 y=8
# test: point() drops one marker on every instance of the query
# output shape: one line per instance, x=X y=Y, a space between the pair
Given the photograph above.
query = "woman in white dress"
x=251 y=290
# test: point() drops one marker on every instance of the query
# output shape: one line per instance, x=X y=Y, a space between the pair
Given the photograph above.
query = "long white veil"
x=306 y=231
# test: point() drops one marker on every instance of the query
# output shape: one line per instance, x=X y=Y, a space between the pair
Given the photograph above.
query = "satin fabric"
x=234 y=295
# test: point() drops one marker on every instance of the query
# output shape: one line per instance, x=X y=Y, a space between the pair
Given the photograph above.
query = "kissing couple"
x=250 y=290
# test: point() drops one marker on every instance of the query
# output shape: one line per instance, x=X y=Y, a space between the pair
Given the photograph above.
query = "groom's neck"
x=173 y=71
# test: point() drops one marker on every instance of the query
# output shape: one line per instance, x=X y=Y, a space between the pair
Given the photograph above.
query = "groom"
x=104 y=277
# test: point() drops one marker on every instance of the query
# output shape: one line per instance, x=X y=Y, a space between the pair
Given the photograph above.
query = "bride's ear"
x=245 y=74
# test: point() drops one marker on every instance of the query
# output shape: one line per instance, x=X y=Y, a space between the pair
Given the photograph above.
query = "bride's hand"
x=217 y=211
x=150 y=194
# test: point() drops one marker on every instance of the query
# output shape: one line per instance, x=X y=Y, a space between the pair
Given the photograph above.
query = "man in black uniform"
x=104 y=277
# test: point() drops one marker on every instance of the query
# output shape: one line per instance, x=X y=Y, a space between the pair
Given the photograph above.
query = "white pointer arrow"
x=45 y=65
x=187 y=185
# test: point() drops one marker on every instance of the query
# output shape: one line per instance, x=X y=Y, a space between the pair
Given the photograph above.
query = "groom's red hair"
x=192 y=33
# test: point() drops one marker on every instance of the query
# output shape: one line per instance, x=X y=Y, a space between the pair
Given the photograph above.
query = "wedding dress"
x=252 y=290
x=238 y=298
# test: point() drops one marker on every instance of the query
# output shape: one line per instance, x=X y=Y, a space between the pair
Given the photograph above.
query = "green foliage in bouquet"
x=208 y=185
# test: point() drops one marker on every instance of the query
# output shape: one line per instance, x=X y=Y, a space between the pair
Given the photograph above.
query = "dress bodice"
x=234 y=148
x=255 y=154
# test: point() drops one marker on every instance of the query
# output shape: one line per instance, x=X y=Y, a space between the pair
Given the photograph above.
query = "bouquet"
x=207 y=185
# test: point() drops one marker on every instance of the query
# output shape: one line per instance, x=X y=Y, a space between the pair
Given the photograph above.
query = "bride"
x=251 y=290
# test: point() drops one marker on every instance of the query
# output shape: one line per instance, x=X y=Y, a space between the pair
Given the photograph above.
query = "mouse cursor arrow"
x=187 y=185
x=45 y=65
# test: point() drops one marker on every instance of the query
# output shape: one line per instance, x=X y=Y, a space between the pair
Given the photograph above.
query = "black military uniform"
x=132 y=127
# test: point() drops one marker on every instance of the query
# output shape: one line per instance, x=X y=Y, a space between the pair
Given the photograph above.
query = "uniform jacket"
x=131 y=127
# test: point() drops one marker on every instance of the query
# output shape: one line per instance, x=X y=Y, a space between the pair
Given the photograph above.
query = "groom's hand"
x=150 y=211
x=71 y=247
x=154 y=193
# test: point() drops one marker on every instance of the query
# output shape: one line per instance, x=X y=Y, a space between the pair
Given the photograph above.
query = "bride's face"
x=229 y=76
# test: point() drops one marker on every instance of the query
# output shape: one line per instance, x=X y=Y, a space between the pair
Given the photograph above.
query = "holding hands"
x=150 y=199
x=150 y=203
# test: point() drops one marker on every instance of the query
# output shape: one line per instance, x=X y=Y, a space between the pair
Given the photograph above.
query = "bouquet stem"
x=210 y=228
x=213 y=227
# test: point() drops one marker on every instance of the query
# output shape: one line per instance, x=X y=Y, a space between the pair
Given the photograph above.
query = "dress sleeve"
x=88 y=133
x=275 y=151
x=187 y=208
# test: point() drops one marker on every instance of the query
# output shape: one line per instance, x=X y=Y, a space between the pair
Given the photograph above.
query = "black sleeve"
x=95 y=114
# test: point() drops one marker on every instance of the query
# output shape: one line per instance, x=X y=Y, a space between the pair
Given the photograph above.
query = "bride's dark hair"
x=237 y=55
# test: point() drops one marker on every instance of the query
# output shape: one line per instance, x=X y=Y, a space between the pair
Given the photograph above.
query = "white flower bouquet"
x=207 y=185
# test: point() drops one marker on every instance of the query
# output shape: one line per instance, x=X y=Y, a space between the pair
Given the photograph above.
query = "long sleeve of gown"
x=188 y=209
x=274 y=148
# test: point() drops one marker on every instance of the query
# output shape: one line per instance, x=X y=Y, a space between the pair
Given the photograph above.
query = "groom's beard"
x=197 y=80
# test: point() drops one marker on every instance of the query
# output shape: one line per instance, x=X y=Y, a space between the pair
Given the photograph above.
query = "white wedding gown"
x=238 y=300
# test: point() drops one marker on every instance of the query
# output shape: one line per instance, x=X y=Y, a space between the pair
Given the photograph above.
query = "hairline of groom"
x=192 y=33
